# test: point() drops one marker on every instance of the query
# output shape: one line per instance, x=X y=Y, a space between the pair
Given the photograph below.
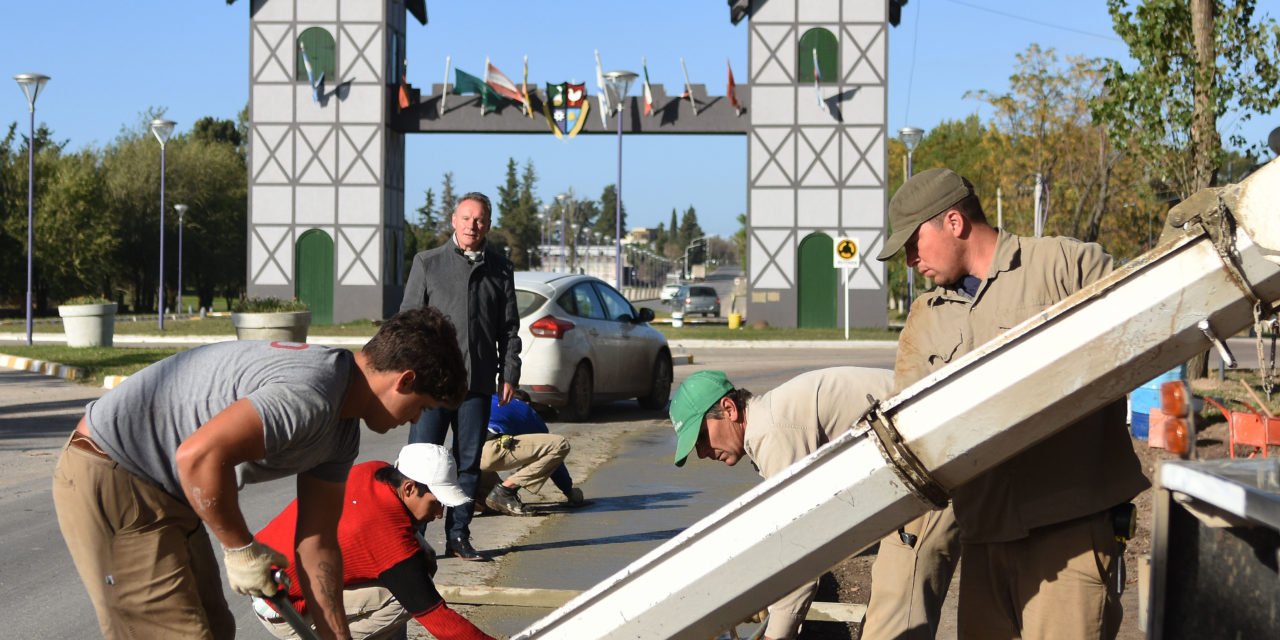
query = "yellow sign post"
x=847 y=261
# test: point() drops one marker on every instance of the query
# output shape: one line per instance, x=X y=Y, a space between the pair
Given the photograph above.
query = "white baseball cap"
x=432 y=465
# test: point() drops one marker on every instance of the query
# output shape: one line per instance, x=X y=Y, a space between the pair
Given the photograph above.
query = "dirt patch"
x=850 y=581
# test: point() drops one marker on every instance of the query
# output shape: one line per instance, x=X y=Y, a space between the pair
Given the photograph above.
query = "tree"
x=526 y=227
x=1197 y=61
x=607 y=222
x=448 y=202
x=740 y=240
x=211 y=178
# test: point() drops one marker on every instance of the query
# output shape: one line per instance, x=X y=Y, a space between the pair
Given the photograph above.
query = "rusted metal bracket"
x=903 y=462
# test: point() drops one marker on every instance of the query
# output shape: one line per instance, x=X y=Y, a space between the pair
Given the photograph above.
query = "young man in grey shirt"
x=165 y=453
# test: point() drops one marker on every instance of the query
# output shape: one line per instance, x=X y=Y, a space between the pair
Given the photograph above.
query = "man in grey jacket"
x=474 y=286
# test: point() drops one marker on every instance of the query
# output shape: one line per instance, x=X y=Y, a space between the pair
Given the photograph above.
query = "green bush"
x=88 y=300
x=267 y=305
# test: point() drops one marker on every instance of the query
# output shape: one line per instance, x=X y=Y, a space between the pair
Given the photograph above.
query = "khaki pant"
x=909 y=584
x=536 y=455
x=143 y=555
x=372 y=614
x=1057 y=583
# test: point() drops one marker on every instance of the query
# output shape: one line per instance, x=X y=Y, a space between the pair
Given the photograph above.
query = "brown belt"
x=85 y=443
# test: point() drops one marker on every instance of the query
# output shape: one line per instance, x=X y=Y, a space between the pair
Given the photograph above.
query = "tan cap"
x=924 y=196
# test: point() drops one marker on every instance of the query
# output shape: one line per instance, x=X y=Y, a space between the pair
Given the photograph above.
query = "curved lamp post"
x=31 y=84
x=910 y=137
x=620 y=83
x=182 y=210
x=162 y=129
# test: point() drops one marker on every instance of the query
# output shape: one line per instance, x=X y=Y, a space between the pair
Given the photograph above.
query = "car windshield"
x=702 y=291
x=527 y=302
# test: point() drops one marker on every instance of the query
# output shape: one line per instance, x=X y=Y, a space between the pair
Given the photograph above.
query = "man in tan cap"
x=1039 y=531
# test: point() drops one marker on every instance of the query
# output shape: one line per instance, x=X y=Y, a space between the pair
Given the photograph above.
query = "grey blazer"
x=479 y=297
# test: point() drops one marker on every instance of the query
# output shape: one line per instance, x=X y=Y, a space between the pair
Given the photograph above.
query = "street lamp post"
x=31 y=84
x=162 y=129
x=620 y=83
x=910 y=137
x=182 y=210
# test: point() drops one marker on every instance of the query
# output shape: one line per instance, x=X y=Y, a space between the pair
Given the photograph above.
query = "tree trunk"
x=1204 y=127
x=1205 y=141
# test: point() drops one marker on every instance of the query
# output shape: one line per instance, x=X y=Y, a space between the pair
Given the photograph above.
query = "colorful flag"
x=733 y=100
x=648 y=92
x=404 y=89
x=500 y=82
x=467 y=83
x=605 y=108
x=566 y=108
x=817 y=77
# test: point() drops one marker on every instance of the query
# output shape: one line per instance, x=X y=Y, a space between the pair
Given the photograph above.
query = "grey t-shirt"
x=296 y=389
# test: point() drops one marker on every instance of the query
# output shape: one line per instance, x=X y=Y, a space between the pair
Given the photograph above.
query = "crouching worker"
x=519 y=439
x=386 y=567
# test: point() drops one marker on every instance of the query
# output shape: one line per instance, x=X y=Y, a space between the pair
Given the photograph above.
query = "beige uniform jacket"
x=794 y=420
x=1081 y=470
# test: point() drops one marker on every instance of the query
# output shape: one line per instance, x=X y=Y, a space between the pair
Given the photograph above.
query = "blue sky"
x=112 y=60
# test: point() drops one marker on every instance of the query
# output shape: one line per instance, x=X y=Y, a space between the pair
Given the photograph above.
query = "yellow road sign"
x=846 y=253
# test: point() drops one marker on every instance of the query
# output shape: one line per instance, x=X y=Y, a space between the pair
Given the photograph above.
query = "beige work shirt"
x=794 y=420
x=1079 y=471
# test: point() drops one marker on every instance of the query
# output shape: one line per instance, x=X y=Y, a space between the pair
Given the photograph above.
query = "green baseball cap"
x=690 y=403
x=924 y=196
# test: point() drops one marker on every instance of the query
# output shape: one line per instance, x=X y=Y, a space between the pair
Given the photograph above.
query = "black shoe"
x=574 y=497
x=504 y=500
x=461 y=548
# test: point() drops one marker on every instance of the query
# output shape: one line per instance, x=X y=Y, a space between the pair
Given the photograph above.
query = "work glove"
x=249 y=568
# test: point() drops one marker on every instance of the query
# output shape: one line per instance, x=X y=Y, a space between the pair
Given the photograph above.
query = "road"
x=41 y=596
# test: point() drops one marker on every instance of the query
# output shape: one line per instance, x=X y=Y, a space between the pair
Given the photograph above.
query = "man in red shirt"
x=386 y=570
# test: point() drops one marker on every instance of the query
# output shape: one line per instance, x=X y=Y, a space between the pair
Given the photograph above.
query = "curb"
x=43 y=367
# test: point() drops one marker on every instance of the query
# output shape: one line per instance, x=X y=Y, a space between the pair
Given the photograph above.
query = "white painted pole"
x=999 y=209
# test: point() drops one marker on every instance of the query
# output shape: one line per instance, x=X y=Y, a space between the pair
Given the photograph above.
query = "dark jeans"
x=470 y=425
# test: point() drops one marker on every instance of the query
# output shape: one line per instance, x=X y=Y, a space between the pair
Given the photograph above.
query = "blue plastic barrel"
x=1147 y=397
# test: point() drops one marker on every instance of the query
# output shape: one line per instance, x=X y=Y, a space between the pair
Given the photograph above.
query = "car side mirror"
x=645 y=315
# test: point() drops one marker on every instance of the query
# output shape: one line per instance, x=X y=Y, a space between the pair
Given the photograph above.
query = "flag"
x=315 y=84
x=817 y=77
x=605 y=109
x=500 y=82
x=688 y=88
x=524 y=89
x=404 y=89
x=445 y=94
x=467 y=83
x=733 y=100
x=648 y=92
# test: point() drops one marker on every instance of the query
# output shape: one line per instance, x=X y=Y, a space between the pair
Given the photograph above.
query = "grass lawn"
x=211 y=326
x=99 y=362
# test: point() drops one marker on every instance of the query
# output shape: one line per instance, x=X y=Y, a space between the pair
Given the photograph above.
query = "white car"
x=669 y=292
x=584 y=344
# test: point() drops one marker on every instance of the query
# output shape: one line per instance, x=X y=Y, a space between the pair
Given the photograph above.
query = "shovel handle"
x=280 y=601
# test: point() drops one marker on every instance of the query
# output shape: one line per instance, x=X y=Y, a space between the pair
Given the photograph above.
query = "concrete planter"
x=289 y=326
x=88 y=325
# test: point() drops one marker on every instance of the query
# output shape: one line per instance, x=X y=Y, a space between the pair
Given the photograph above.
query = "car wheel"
x=660 y=384
x=579 y=406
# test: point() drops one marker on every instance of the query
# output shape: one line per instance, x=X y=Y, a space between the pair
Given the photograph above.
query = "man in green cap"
x=1038 y=532
x=720 y=422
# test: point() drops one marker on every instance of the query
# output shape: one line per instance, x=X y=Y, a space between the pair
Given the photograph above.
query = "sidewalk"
x=679 y=349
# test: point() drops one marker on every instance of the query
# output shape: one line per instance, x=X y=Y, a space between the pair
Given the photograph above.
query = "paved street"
x=622 y=459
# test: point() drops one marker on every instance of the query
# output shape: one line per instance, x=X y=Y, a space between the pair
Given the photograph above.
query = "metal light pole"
x=910 y=137
x=162 y=129
x=182 y=210
x=620 y=83
x=31 y=84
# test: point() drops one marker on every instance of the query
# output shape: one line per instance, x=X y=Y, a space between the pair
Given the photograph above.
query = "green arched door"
x=816 y=278
x=314 y=270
